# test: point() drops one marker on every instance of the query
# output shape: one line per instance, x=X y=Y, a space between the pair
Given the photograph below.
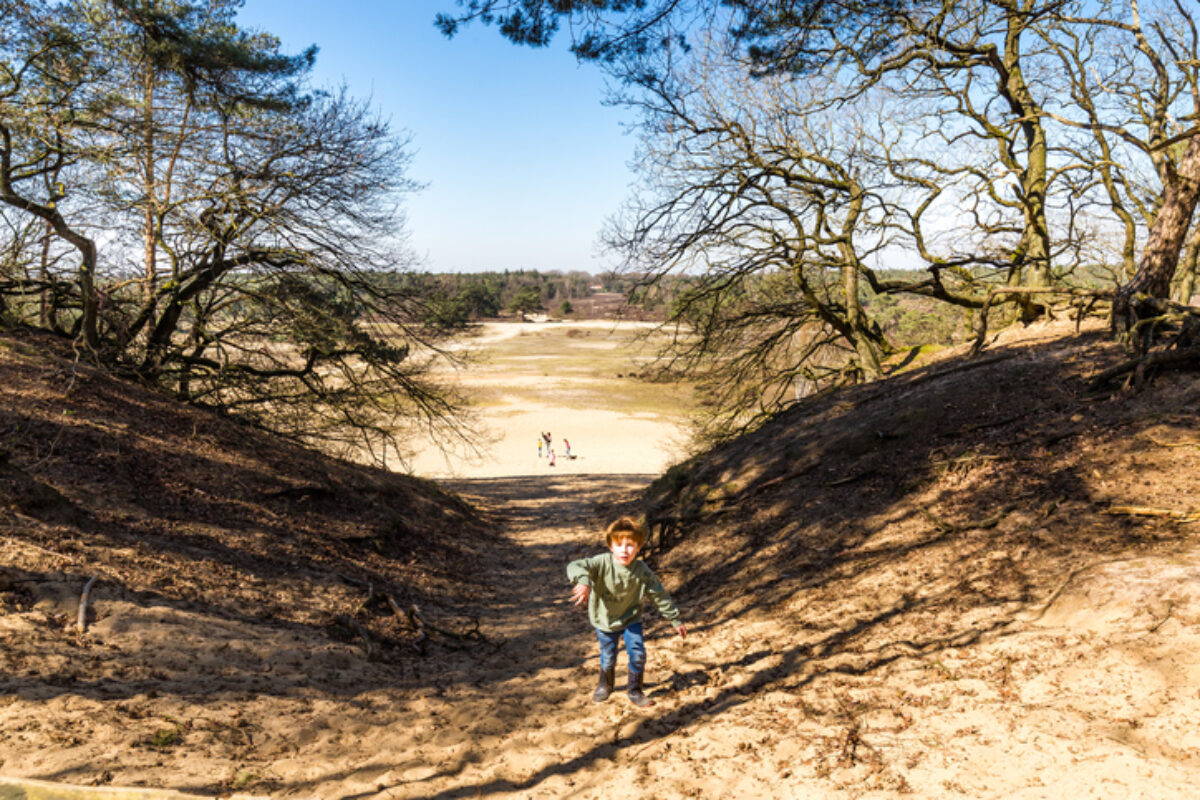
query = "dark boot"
x=635 y=691
x=605 y=686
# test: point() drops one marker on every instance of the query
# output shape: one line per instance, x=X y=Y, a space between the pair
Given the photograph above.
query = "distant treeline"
x=454 y=299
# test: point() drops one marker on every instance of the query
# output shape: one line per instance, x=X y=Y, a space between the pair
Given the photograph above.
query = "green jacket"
x=615 y=601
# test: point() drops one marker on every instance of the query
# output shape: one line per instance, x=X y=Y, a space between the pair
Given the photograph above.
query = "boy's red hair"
x=625 y=527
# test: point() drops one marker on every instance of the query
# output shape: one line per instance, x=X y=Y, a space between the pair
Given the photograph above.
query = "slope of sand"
x=924 y=659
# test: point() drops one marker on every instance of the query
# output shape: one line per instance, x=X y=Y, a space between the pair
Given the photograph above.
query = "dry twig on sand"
x=352 y=624
x=414 y=621
x=83 y=603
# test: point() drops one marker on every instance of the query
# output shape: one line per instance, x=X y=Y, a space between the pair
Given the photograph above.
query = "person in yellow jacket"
x=613 y=585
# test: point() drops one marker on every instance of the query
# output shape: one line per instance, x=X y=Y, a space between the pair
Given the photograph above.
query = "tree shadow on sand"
x=923 y=514
x=904 y=520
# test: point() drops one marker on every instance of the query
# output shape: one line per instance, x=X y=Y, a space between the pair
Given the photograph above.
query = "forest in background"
x=458 y=299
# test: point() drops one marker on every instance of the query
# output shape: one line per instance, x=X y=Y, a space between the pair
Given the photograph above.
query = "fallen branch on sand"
x=417 y=623
x=1146 y=511
x=410 y=618
x=413 y=620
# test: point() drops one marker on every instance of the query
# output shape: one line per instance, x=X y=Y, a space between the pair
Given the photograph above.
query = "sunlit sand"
x=533 y=392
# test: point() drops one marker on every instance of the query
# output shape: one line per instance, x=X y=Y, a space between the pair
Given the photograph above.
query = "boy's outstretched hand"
x=681 y=630
x=579 y=594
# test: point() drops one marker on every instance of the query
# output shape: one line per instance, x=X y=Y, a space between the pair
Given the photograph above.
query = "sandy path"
x=571 y=387
x=519 y=721
x=1095 y=698
x=604 y=443
x=746 y=709
x=292 y=713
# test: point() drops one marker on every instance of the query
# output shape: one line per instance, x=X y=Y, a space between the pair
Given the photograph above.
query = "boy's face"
x=624 y=549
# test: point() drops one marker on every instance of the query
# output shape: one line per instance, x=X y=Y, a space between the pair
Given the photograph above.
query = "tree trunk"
x=149 y=231
x=1032 y=260
x=868 y=357
x=43 y=305
x=856 y=318
x=1185 y=275
x=1167 y=235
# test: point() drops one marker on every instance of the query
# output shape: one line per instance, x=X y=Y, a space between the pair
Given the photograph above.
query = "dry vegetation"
x=975 y=579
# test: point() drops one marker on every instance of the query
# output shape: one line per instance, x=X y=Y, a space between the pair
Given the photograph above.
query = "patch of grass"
x=915 y=357
x=597 y=352
x=243 y=778
x=166 y=737
x=626 y=396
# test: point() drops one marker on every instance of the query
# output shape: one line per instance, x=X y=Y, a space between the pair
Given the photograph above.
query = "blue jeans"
x=635 y=647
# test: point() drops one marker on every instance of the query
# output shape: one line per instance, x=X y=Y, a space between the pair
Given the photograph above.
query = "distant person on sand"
x=566 y=447
x=612 y=585
x=539 y=448
x=552 y=456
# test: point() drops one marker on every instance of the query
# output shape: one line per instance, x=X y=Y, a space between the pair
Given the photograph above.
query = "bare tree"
x=281 y=306
x=235 y=236
x=46 y=105
x=766 y=205
x=970 y=53
x=990 y=62
x=1133 y=77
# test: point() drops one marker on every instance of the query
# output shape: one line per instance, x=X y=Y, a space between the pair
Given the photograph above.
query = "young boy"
x=613 y=585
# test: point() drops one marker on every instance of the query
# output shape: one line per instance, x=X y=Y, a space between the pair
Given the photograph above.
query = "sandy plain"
x=573 y=380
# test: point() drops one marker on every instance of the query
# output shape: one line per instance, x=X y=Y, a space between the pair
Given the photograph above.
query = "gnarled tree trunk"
x=1167 y=235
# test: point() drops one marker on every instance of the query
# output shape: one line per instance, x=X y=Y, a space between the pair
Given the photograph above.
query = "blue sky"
x=522 y=161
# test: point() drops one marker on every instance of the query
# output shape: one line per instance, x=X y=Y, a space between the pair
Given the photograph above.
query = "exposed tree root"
x=352 y=624
x=1137 y=369
x=972 y=525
